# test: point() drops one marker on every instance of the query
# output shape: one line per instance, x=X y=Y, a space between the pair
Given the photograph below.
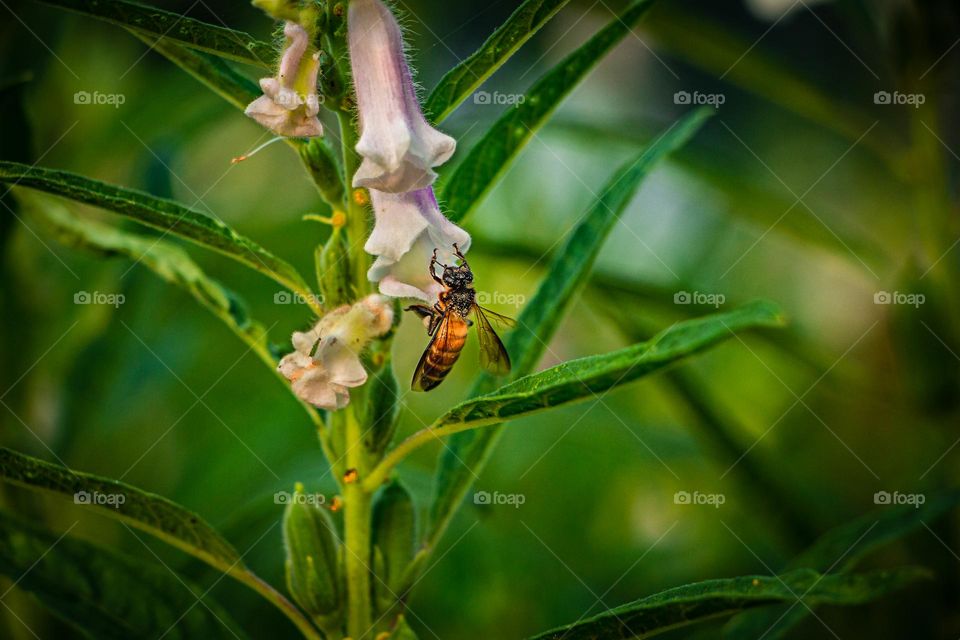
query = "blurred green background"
x=802 y=189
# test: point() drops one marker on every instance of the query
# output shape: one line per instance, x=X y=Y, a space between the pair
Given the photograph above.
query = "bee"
x=447 y=323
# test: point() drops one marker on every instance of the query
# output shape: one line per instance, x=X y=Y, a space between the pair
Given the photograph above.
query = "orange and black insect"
x=448 y=320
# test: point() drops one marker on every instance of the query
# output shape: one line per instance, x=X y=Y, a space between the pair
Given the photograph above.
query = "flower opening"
x=290 y=102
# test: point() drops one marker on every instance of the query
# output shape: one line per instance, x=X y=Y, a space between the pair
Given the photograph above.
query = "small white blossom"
x=290 y=102
x=398 y=146
x=326 y=361
x=407 y=229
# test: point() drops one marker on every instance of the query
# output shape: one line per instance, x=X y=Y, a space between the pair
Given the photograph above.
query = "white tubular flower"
x=326 y=360
x=408 y=227
x=397 y=144
x=290 y=102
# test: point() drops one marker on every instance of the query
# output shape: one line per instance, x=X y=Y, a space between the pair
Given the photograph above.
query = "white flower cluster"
x=326 y=361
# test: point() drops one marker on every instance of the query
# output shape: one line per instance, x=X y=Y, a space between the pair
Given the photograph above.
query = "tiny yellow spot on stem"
x=338 y=219
x=361 y=197
x=350 y=476
x=336 y=503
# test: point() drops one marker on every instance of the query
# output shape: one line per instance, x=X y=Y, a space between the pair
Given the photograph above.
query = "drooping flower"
x=290 y=102
x=398 y=146
x=325 y=362
x=407 y=229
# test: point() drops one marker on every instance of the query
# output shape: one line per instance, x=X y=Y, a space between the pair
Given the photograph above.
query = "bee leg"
x=424 y=312
x=433 y=274
x=456 y=252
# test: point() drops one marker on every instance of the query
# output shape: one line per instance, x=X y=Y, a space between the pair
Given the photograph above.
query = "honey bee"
x=447 y=323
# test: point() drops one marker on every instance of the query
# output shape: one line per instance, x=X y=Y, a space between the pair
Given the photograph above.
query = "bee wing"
x=439 y=340
x=493 y=355
x=499 y=318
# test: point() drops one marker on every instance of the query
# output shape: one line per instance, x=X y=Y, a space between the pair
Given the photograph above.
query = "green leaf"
x=166 y=215
x=223 y=79
x=693 y=603
x=839 y=550
x=165 y=259
x=103 y=594
x=568 y=271
x=588 y=377
x=464 y=79
x=147 y=511
x=720 y=52
x=195 y=34
x=492 y=155
x=842 y=547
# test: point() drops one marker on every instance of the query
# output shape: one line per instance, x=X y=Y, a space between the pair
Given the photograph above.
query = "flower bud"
x=323 y=169
x=334 y=271
x=394 y=533
x=279 y=9
x=311 y=563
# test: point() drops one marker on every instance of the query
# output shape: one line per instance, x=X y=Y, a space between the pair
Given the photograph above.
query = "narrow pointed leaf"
x=218 y=75
x=147 y=511
x=165 y=259
x=159 y=213
x=457 y=85
x=492 y=155
x=569 y=269
x=839 y=550
x=588 y=377
x=219 y=40
x=104 y=594
x=693 y=603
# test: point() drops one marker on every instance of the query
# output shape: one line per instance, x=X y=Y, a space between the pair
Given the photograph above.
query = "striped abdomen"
x=441 y=353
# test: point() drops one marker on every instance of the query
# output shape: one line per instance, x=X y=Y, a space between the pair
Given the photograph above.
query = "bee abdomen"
x=440 y=359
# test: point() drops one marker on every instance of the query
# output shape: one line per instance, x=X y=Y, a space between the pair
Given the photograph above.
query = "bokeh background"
x=805 y=188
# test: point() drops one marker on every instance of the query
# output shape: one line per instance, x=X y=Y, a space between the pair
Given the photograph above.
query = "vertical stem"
x=357 y=534
x=357 y=218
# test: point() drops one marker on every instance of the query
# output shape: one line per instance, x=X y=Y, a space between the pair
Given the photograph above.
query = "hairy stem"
x=357 y=534
x=357 y=219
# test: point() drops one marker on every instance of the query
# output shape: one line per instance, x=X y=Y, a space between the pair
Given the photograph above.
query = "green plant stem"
x=357 y=534
x=357 y=224
x=381 y=472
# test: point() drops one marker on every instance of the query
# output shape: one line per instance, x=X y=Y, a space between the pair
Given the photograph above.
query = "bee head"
x=457 y=276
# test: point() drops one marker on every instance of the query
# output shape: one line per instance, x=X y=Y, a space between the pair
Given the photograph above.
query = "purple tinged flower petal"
x=398 y=146
x=407 y=229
